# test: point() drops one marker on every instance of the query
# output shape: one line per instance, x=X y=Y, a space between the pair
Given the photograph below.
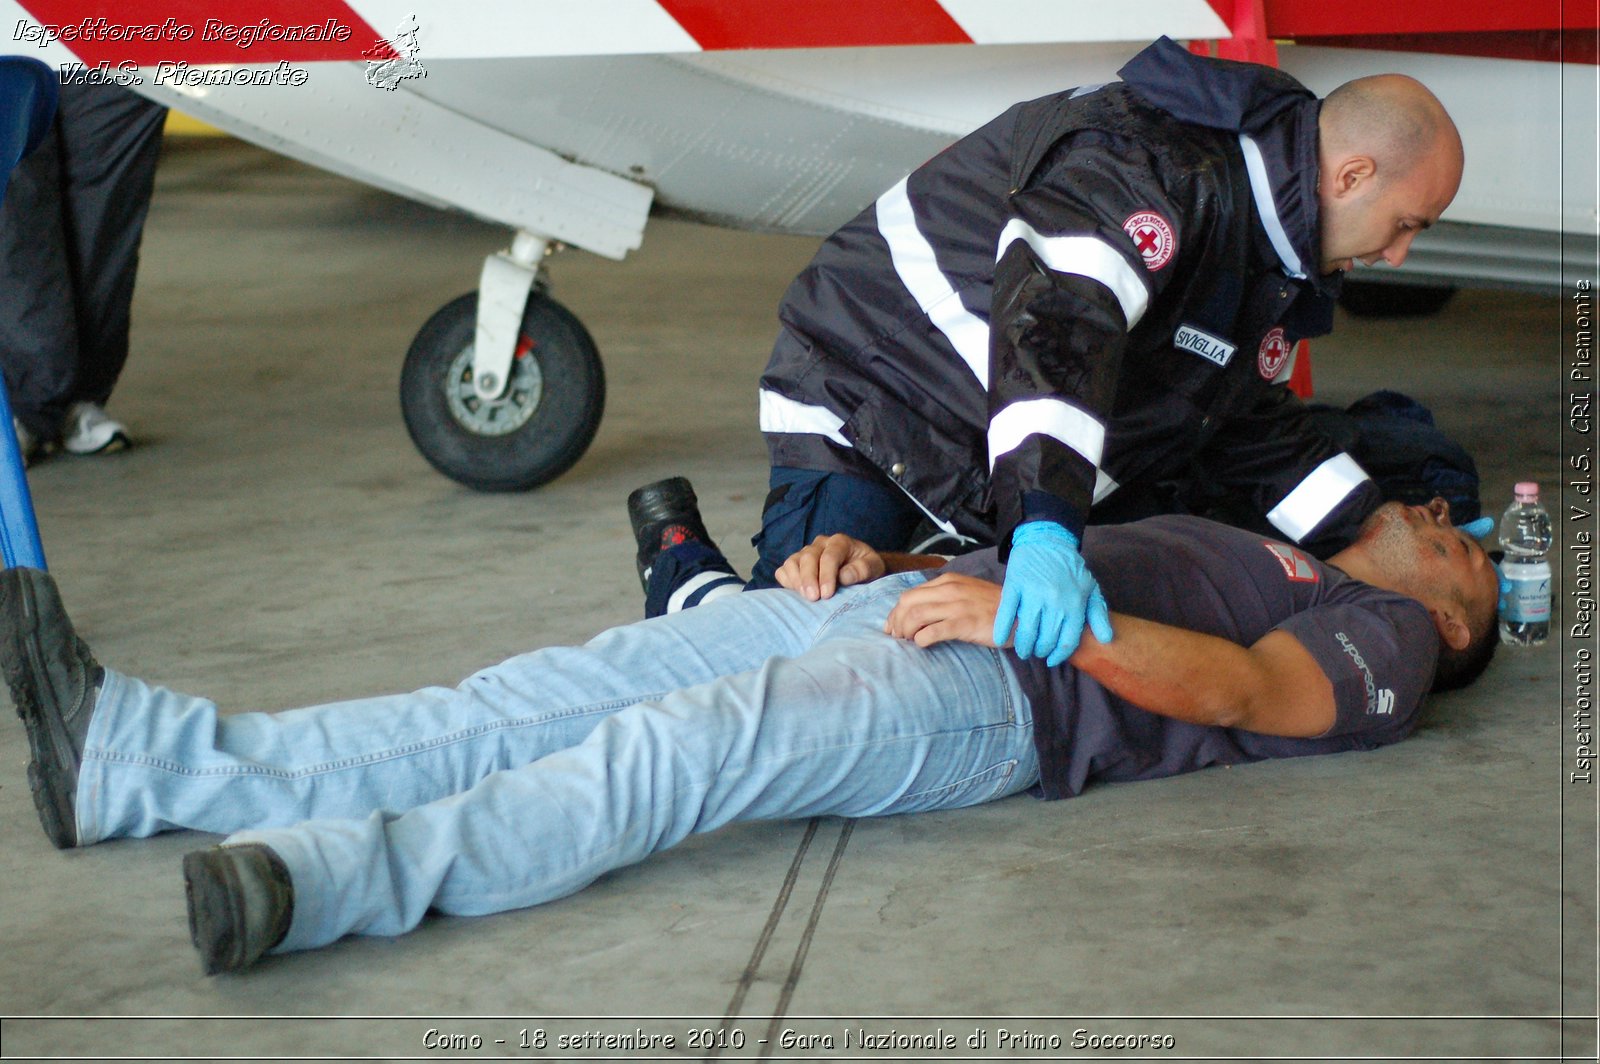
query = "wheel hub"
x=495 y=417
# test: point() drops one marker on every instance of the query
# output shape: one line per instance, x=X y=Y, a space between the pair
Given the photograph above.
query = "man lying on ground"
x=535 y=776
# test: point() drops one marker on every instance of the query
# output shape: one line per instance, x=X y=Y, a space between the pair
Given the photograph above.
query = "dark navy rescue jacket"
x=1099 y=290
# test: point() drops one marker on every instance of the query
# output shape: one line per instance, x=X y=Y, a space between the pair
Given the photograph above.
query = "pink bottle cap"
x=1526 y=491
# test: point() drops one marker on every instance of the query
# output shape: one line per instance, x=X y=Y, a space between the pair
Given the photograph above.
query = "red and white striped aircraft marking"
x=604 y=27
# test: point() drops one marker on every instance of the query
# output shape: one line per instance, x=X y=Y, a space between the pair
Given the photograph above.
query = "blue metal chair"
x=27 y=104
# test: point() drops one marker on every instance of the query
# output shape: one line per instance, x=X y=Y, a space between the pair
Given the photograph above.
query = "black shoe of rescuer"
x=54 y=682
x=240 y=904
x=663 y=515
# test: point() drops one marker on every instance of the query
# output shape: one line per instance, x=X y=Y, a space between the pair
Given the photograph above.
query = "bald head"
x=1395 y=120
x=1390 y=162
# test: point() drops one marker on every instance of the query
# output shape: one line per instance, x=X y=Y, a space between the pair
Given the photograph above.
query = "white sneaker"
x=27 y=442
x=89 y=431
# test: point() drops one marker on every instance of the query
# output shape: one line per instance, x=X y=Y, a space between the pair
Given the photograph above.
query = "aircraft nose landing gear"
x=538 y=426
x=509 y=397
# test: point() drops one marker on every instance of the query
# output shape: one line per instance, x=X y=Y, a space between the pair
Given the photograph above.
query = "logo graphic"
x=392 y=61
x=1296 y=566
x=1154 y=238
x=1273 y=354
x=1211 y=348
x=1380 y=701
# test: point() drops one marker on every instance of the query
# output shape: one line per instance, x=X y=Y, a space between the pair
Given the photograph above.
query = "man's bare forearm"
x=1274 y=687
x=1193 y=677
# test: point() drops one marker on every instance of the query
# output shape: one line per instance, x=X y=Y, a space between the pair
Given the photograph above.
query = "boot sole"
x=210 y=889
x=57 y=810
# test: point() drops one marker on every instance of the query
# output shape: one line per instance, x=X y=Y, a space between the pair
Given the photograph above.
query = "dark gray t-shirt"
x=1377 y=647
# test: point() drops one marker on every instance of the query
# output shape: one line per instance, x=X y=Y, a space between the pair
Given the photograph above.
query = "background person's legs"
x=111 y=140
x=70 y=231
x=38 y=303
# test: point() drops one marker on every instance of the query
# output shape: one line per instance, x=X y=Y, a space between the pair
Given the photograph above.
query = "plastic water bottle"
x=1525 y=534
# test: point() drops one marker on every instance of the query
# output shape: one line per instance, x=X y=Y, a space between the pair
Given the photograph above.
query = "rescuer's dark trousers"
x=70 y=228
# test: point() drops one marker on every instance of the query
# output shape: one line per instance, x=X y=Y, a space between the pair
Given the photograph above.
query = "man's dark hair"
x=1457 y=668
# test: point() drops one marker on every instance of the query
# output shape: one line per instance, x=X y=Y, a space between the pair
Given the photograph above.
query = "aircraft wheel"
x=530 y=435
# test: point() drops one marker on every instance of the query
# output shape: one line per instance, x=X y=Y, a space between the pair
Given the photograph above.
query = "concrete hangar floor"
x=274 y=540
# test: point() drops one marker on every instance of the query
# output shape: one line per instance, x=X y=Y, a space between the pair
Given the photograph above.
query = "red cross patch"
x=1273 y=354
x=1153 y=236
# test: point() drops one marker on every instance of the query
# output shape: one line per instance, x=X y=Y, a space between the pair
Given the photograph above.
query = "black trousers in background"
x=70 y=228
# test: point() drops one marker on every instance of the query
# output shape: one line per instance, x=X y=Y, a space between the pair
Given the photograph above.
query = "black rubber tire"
x=1378 y=299
x=564 y=419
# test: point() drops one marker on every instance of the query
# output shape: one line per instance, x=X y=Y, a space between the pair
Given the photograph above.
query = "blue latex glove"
x=1048 y=593
x=1479 y=528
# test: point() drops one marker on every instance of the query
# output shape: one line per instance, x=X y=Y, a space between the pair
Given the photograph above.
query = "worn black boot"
x=664 y=514
x=240 y=904
x=54 y=683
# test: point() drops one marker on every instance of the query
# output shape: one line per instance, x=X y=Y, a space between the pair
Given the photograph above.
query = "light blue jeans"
x=536 y=776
